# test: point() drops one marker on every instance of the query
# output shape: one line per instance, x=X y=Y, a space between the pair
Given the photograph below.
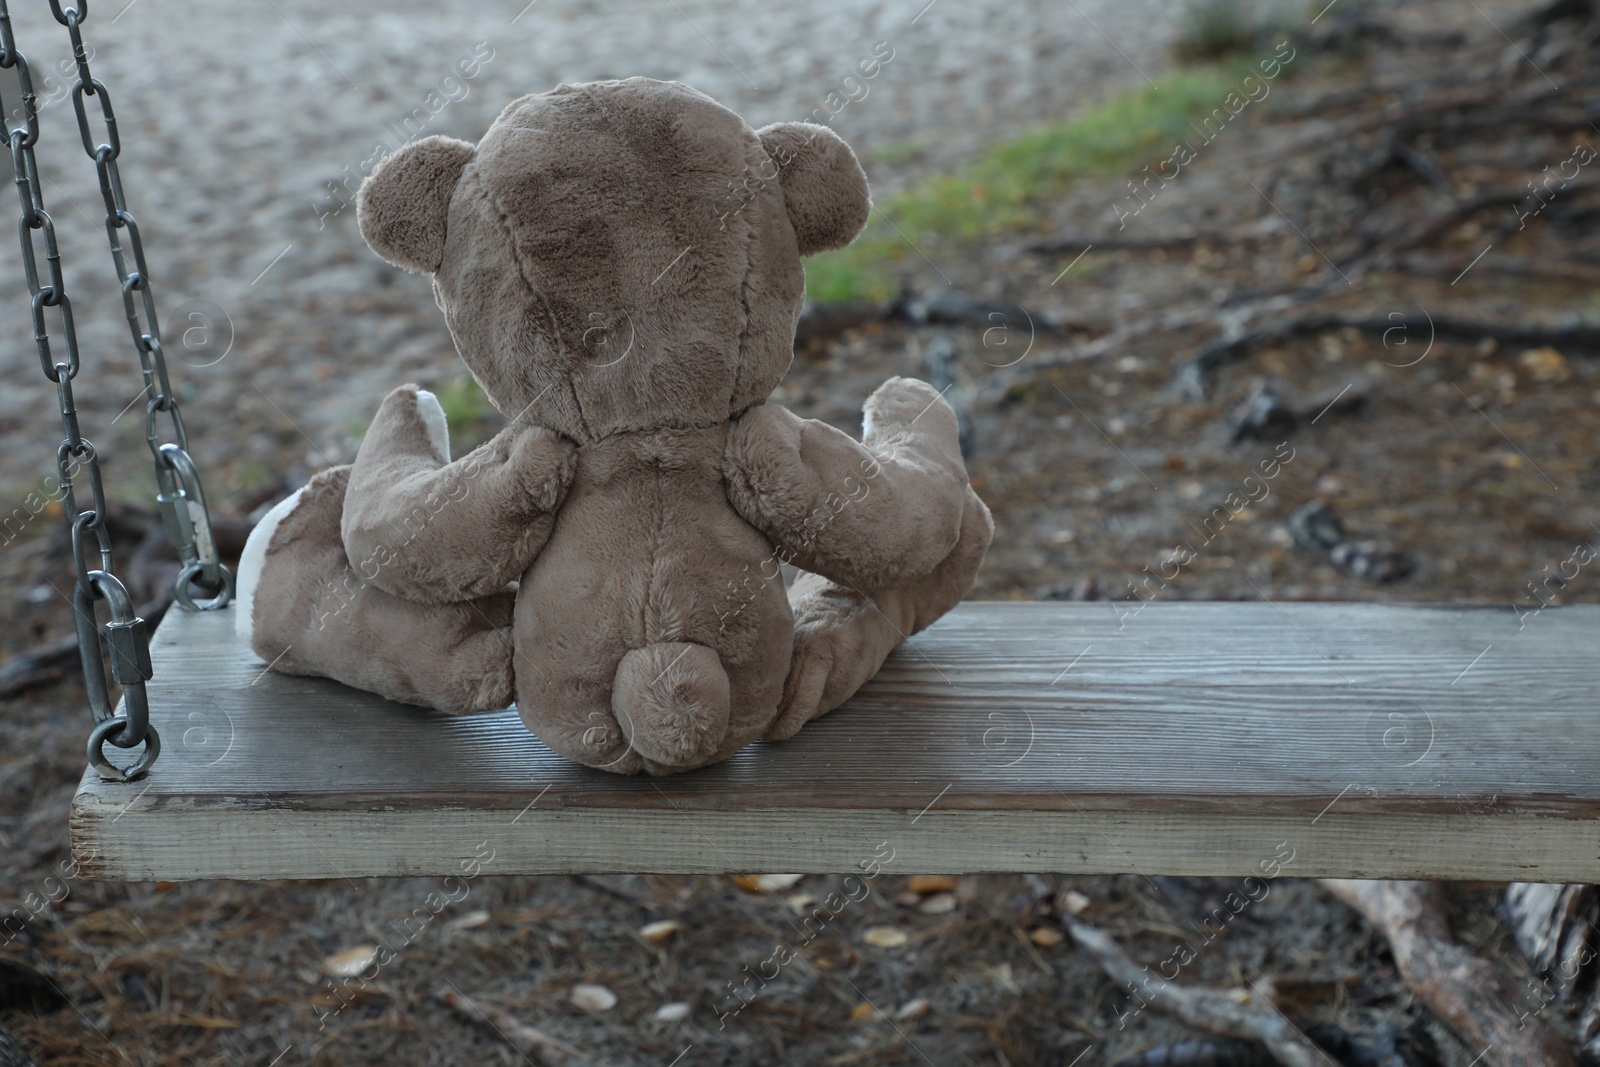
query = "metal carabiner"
x=129 y=639
x=203 y=562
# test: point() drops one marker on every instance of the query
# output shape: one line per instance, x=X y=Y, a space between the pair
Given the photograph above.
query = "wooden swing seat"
x=1362 y=740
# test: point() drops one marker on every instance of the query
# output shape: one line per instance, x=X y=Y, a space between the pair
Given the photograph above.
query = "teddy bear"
x=619 y=265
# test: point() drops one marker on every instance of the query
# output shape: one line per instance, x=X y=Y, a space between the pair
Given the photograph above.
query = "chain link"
x=181 y=498
x=75 y=454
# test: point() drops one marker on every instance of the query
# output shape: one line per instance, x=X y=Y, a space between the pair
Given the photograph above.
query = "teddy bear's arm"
x=842 y=636
x=870 y=514
x=421 y=527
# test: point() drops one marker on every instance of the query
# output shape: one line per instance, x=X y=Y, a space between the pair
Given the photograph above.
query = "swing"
x=1351 y=740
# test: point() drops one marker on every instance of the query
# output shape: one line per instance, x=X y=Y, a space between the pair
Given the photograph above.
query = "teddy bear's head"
x=619 y=255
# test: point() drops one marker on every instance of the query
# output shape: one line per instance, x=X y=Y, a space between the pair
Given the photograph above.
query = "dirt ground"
x=1466 y=465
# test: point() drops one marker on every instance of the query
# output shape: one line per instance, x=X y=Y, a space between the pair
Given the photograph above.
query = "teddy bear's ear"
x=403 y=203
x=824 y=186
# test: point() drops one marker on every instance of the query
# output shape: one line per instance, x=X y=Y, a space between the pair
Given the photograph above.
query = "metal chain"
x=126 y=633
x=181 y=498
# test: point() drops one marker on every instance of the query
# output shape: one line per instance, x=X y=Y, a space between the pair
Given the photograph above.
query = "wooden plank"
x=1372 y=740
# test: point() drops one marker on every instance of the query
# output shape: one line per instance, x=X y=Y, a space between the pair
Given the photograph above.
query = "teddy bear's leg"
x=843 y=634
x=305 y=610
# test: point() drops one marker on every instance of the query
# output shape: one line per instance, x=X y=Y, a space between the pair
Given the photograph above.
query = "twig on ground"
x=1554 y=926
x=1473 y=995
x=1451 y=266
x=998 y=384
x=1226 y=349
x=1069 y=242
x=58 y=657
x=1242 y=1013
x=529 y=1040
x=12 y=1054
x=823 y=322
x=595 y=882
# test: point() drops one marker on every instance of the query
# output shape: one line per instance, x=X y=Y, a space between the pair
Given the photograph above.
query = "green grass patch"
x=1008 y=186
x=465 y=407
x=859 y=273
x=468 y=415
x=1219 y=29
x=905 y=152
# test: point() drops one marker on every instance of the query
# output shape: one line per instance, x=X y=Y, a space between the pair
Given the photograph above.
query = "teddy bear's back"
x=647 y=550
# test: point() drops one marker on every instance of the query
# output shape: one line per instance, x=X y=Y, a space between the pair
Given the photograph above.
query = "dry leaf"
x=675 y=1012
x=931 y=883
x=863 y=1012
x=1545 y=364
x=766 y=883
x=938 y=904
x=350 y=962
x=472 y=920
x=776 y=883
x=1075 y=902
x=907 y=900
x=914 y=1009
x=1001 y=975
x=593 y=997
x=657 y=932
x=1046 y=935
x=885 y=937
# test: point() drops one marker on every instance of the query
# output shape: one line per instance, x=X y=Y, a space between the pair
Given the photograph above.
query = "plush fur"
x=619 y=263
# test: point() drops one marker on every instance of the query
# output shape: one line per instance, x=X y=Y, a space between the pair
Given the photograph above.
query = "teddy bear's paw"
x=904 y=405
x=802 y=692
x=544 y=463
x=409 y=422
x=841 y=639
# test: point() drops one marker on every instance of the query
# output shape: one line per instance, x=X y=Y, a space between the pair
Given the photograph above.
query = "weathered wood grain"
x=1398 y=741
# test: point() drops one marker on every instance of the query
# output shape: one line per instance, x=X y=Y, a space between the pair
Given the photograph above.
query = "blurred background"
x=1149 y=248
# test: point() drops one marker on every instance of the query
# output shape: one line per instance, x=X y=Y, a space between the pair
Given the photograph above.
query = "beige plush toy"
x=619 y=264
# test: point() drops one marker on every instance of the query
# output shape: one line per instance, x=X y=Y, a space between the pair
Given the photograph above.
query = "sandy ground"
x=235 y=118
